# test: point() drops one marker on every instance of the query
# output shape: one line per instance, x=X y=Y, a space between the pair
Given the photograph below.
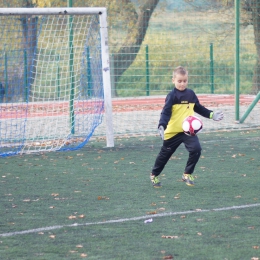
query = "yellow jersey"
x=179 y=105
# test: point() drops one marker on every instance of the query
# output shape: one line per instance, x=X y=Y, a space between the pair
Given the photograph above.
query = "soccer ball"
x=191 y=125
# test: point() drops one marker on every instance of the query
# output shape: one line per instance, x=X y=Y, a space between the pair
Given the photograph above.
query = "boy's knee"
x=196 y=150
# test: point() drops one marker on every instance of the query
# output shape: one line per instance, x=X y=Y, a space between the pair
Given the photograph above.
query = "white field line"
x=127 y=219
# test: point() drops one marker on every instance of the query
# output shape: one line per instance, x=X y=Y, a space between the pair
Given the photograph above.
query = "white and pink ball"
x=191 y=125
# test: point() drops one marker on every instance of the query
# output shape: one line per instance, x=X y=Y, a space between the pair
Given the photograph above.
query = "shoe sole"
x=189 y=184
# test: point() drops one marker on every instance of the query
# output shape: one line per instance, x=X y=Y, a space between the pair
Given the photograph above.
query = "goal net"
x=54 y=73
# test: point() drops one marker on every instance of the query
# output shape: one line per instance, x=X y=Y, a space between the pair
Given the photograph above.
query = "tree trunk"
x=127 y=53
x=29 y=25
x=255 y=7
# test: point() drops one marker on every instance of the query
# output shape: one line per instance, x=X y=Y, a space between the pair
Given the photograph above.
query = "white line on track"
x=29 y=231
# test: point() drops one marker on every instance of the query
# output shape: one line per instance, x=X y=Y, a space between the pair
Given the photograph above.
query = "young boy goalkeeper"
x=180 y=103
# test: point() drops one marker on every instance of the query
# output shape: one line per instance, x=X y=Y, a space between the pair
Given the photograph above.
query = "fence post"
x=237 y=61
x=147 y=70
x=253 y=104
x=71 y=70
x=112 y=75
x=25 y=75
x=212 y=69
x=89 y=78
x=58 y=74
x=6 y=75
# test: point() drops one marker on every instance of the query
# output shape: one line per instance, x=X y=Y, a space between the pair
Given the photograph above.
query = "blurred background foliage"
x=147 y=39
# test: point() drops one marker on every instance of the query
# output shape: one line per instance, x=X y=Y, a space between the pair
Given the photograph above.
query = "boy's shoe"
x=188 y=178
x=155 y=181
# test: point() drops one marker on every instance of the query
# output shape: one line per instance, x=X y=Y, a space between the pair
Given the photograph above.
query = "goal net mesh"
x=51 y=75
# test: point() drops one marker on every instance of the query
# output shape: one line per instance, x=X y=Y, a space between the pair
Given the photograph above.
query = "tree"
x=253 y=9
x=250 y=16
x=136 y=16
x=29 y=25
x=135 y=36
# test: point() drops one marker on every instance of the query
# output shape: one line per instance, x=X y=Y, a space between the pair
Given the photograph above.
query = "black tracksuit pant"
x=192 y=145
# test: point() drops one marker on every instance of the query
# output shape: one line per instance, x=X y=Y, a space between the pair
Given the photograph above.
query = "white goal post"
x=101 y=12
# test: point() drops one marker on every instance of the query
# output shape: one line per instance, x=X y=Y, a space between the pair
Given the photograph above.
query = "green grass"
x=96 y=185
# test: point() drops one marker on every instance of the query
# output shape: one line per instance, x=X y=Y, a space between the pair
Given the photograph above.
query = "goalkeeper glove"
x=217 y=116
x=161 y=131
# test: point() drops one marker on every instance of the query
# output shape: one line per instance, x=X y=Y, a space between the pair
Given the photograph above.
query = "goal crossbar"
x=54 y=11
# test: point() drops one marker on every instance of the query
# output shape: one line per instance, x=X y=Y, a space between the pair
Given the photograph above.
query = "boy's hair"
x=179 y=70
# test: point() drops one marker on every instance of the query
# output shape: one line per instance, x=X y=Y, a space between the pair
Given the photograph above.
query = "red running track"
x=23 y=110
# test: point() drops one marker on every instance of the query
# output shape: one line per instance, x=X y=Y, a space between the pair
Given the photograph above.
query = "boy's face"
x=180 y=81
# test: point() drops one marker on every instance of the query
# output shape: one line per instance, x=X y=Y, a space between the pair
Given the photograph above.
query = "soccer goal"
x=55 y=77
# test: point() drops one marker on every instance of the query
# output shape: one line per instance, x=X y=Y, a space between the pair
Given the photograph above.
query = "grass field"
x=92 y=203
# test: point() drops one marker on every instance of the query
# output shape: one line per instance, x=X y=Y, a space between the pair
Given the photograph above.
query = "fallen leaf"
x=171 y=237
x=102 y=198
x=168 y=257
x=161 y=209
x=177 y=196
x=72 y=217
x=151 y=212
